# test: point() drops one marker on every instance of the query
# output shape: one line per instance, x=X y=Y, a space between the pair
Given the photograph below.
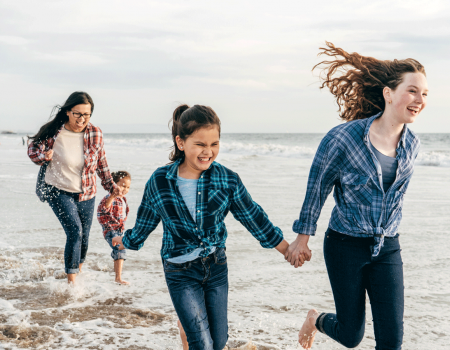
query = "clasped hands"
x=298 y=252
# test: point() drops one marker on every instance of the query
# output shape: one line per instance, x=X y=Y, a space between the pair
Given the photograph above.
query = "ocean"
x=268 y=298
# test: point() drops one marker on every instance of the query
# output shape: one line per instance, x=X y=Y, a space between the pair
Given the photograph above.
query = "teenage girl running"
x=369 y=160
x=192 y=196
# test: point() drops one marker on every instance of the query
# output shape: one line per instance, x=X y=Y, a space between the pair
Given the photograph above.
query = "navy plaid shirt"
x=345 y=160
x=219 y=190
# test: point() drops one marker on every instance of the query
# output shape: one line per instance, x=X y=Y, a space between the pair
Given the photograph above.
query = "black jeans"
x=352 y=270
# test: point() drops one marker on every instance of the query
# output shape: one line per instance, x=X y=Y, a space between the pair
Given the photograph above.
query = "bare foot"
x=183 y=336
x=308 y=331
x=71 y=278
x=121 y=281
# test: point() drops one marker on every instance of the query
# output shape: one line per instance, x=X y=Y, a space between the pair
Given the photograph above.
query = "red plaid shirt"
x=112 y=218
x=94 y=161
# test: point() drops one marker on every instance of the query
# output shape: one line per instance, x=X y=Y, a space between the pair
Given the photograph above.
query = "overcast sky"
x=249 y=60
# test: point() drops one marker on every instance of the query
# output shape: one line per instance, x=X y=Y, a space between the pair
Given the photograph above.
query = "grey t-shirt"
x=188 y=190
x=388 y=168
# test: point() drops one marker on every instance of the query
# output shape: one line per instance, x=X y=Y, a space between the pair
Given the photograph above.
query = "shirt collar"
x=370 y=120
x=172 y=172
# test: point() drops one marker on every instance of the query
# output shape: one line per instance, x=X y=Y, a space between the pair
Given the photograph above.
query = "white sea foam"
x=434 y=158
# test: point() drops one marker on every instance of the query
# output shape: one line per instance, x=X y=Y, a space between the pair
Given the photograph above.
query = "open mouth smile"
x=413 y=110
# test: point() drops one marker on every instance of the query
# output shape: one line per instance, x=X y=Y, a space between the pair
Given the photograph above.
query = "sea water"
x=268 y=298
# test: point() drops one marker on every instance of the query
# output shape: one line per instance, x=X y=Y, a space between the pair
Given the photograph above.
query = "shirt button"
x=201 y=176
x=196 y=229
x=198 y=211
x=201 y=243
x=199 y=193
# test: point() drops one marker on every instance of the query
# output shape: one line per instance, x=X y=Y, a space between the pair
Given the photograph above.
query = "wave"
x=434 y=158
x=228 y=147
x=243 y=148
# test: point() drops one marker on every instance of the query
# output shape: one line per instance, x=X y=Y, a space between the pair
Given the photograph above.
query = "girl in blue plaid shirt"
x=369 y=161
x=192 y=196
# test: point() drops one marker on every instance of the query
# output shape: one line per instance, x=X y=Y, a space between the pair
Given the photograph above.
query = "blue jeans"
x=76 y=220
x=352 y=270
x=116 y=254
x=199 y=292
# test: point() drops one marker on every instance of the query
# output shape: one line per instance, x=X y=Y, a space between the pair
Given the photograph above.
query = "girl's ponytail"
x=176 y=152
x=186 y=120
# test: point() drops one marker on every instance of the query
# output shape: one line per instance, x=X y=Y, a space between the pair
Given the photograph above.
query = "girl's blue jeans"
x=116 y=254
x=353 y=271
x=199 y=292
x=76 y=220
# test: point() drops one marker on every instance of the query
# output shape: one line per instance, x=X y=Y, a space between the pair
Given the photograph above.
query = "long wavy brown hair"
x=357 y=82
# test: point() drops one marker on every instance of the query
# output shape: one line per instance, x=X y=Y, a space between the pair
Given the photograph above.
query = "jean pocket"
x=173 y=267
x=220 y=257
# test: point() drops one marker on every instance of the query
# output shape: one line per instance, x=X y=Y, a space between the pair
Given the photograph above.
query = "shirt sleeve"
x=322 y=176
x=146 y=221
x=104 y=213
x=36 y=152
x=103 y=170
x=253 y=218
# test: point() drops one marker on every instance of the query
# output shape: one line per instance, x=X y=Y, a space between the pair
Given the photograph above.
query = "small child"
x=112 y=213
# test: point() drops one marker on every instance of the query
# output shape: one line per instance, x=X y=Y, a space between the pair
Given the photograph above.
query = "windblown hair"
x=186 y=120
x=58 y=116
x=357 y=82
x=119 y=175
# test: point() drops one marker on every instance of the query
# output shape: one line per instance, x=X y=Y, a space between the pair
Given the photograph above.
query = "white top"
x=65 y=169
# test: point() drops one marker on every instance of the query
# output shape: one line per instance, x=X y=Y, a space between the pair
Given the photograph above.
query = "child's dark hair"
x=119 y=175
x=186 y=120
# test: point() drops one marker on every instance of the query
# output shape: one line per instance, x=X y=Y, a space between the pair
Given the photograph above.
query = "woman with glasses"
x=72 y=149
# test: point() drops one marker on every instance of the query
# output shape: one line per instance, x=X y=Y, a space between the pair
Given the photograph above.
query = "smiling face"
x=78 y=124
x=408 y=99
x=200 y=149
x=124 y=184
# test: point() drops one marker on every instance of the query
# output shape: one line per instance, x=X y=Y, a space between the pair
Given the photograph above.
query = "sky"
x=249 y=60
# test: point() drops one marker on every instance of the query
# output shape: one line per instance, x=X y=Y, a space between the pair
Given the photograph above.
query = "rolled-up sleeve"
x=36 y=152
x=103 y=170
x=322 y=176
x=146 y=221
x=254 y=218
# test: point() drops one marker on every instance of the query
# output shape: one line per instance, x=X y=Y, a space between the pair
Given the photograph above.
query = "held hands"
x=298 y=252
x=117 y=192
x=117 y=241
x=48 y=155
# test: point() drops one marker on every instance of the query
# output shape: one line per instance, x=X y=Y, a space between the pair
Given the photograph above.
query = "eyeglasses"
x=78 y=115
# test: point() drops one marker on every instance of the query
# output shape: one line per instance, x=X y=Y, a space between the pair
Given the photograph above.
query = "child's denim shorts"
x=116 y=254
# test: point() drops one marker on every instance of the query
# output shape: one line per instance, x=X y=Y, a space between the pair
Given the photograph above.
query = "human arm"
x=40 y=153
x=322 y=176
x=104 y=173
x=253 y=217
x=146 y=221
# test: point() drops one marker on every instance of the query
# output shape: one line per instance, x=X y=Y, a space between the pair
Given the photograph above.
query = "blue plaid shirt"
x=345 y=160
x=219 y=190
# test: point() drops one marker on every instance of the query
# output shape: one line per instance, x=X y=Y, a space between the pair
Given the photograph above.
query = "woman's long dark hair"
x=357 y=81
x=186 y=120
x=49 y=129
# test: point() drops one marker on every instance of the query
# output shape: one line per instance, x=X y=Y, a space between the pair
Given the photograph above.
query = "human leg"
x=216 y=298
x=86 y=214
x=185 y=284
x=386 y=293
x=346 y=259
x=66 y=211
x=119 y=256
